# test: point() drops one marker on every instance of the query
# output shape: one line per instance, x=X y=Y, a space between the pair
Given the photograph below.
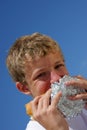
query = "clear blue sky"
x=63 y=20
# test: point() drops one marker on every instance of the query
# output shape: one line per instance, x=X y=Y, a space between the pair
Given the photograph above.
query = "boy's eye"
x=58 y=66
x=41 y=75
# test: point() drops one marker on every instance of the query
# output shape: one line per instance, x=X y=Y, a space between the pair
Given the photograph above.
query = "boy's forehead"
x=44 y=61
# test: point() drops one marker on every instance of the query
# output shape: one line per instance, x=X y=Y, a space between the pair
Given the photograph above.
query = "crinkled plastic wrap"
x=68 y=107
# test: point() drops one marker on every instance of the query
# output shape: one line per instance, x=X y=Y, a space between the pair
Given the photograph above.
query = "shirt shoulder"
x=79 y=122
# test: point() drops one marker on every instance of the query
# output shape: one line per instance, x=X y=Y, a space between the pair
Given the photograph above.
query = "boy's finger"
x=56 y=99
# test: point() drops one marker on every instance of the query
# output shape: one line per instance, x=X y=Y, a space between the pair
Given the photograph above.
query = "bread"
x=28 y=109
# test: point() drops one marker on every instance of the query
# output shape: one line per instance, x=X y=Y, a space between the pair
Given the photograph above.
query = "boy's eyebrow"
x=59 y=62
x=39 y=70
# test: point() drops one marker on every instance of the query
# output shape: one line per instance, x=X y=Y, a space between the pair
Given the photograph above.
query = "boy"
x=35 y=62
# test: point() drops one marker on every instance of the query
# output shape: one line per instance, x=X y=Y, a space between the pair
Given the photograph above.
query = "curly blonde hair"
x=28 y=47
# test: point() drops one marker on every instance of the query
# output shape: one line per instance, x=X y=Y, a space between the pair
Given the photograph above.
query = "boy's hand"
x=47 y=114
x=82 y=83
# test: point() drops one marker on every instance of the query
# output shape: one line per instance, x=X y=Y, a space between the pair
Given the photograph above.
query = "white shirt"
x=77 y=123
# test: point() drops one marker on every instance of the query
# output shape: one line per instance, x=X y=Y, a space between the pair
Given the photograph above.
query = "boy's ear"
x=23 y=88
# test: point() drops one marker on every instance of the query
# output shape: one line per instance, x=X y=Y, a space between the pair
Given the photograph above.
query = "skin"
x=42 y=73
x=47 y=114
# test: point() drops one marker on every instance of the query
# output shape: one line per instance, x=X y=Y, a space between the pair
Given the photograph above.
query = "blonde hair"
x=32 y=46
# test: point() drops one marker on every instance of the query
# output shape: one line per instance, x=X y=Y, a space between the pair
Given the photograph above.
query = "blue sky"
x=63 y=20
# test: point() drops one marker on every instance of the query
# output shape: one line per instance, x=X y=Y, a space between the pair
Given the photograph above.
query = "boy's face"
x=40 y=73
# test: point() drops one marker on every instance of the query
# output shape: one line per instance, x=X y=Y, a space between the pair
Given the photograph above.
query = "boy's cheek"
x=44 y=89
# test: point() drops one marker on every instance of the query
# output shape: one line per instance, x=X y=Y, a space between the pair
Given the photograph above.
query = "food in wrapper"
x=68 y=107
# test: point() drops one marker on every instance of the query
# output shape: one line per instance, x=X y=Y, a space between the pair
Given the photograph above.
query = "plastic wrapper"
x=69 y=108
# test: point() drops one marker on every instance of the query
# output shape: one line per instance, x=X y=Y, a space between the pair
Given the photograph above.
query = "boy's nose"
x=55 y=77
